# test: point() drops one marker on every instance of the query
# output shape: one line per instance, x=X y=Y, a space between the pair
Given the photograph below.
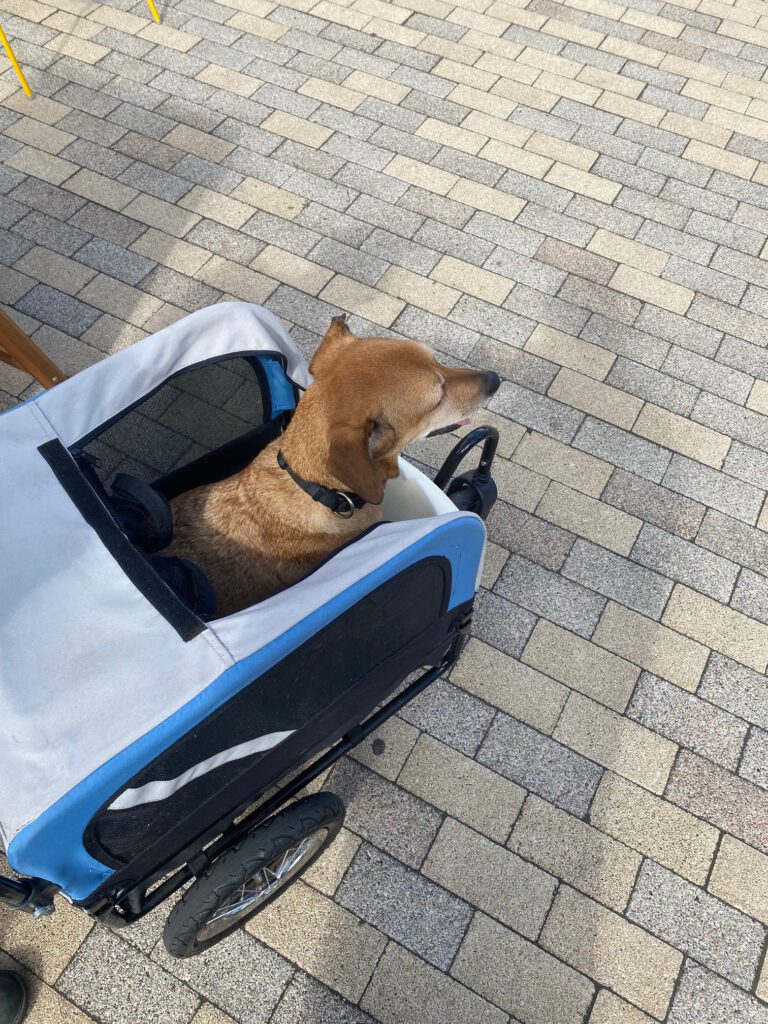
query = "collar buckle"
x=345 y=512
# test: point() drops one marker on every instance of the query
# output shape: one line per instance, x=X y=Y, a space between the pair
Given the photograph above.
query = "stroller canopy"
x=101 y=667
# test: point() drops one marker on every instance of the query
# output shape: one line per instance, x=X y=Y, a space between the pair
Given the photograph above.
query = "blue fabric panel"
x=51 y=847
x=280 y=388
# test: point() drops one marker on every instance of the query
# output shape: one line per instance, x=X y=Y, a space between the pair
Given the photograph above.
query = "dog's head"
x=378 y=395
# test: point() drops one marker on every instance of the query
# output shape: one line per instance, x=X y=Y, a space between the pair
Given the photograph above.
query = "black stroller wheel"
x=248 y=877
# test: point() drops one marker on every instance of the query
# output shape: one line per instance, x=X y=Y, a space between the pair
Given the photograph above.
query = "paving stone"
x=530 y=536
x=502 y=624
x=612 y=951
x=734 y=540
x=451 y=715
x=609 y=1009
x=753 y=765
x=144 y=988
x=114 y=260
x=541 y=765
x=581 y=665
x=653 y=386
x=512 y=363
x=511 y=686
x=504 y=326
x=688 y=720
x=306 y=999
x=714 y=794
x=521 y=977
x=545 y=593
x=576 y=853
x=740 y=878
x=743 y=424
x=404 y=905
x=57 y=309
x=685 y=562
x=536 y=411
x=683 y=915
x=706 y=998
x=618 y=578
x=751 y=595
x=625 y=340
x=387 y=748
x=473 y=867
x=718 y=491
x=404 y=988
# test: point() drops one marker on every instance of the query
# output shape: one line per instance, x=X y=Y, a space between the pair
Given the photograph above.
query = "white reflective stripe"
x=162 y=790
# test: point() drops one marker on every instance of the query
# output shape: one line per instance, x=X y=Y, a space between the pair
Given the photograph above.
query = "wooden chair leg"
x=18 y=350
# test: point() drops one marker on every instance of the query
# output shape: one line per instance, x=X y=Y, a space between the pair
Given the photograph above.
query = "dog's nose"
x=492 y=382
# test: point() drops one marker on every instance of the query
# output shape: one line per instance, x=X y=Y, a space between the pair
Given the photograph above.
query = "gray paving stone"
x=305 y=999
x=409 y=908
x=721 y=316
x=328 y=193
x=536 y=411
x=538 y=120
x=178 y=289
x=545 y=593
x=39 y=195
x=618 y=578
x=615 y=445
x=53 y=307
x=688 y=720
x=731 y=419
x=747 y=464
x=440 y=208
x=625 y=340
x=381 y=112
x=113 y=980
x=569 y=258
x=541 y=765
x=717 y=490
x=513 y=364
x=390 y=140
x=728 y=802
x=501 y=623
x=512 y=329
x=445 y=336
x=544 y=198
x=91 y=101
x=351 y=37
x=754 y=764
x=108 y=224
x=680 y=330
x=403 y=252
x=62 y=238
x=373 y=212
x=434 y=106
x=557 y=312
x=364 y=179
x=742 y=355
x=725 y=233
x=393 y=820
x=662 y=208
x=452 y=242
x=603 y=301
x=610 y=145
x=688 y=918
x=685 y=562
x=504 y=233
x=739 y=188
x=146 y=122
x=661 y=236
x=97 y=158
x=751 y=595
x=524 y=534
x=735 y=540
x=322 y=221
x=402 y=54
x=707 y=374
x=702 y=279
x=656 y=139
x=11 y=212
x=233 y=245
x=654 y=504
x=13 y=247
x=346 y=260
x=114 y=260
x=706 y=998
x=652 y=386
x=636 y=175
x=378 y=63
x=451 y=715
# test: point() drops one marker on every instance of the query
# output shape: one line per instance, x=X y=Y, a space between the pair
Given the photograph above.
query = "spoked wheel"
x=250 y=875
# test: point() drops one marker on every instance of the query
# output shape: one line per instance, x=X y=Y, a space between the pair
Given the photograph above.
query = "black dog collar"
x=342 y=503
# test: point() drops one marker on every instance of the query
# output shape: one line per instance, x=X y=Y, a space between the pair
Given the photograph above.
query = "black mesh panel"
x=197 y=411
x=364 y=642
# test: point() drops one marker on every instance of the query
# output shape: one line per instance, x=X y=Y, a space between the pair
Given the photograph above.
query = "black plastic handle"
x=488 y=437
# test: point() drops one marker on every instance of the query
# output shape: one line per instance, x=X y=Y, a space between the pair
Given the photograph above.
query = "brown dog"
x=258 y=531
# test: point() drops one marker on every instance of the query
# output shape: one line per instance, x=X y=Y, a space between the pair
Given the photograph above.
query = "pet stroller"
x=144 y=744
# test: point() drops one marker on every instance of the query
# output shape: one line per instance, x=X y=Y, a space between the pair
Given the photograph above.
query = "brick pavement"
x=574 y=827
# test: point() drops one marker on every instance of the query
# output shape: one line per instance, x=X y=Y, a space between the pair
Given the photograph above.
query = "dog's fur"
x=257 y=532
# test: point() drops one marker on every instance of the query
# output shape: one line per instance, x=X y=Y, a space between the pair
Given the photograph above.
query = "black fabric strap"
x=343 y=503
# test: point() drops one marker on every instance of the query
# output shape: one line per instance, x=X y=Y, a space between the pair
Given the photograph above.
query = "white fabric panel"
x=161 y=790
x=78 y=406
x=86 y=663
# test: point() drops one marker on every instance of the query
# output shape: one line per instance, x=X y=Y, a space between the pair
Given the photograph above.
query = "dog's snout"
x=492 y=382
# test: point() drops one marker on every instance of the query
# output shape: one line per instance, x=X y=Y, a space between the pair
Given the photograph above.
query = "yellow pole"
x=15 y=64
x=153 y=10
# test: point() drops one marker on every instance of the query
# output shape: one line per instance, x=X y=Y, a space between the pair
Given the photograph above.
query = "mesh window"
x=197 y=411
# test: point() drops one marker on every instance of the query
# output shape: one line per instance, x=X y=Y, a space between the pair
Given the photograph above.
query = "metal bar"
x=153 y=10
x=14 y=893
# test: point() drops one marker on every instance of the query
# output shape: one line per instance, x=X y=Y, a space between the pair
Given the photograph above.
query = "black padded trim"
x=133 y=564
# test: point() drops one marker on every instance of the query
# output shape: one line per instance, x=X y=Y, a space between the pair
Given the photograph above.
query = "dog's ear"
x=337 y=337
x=355 y=458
